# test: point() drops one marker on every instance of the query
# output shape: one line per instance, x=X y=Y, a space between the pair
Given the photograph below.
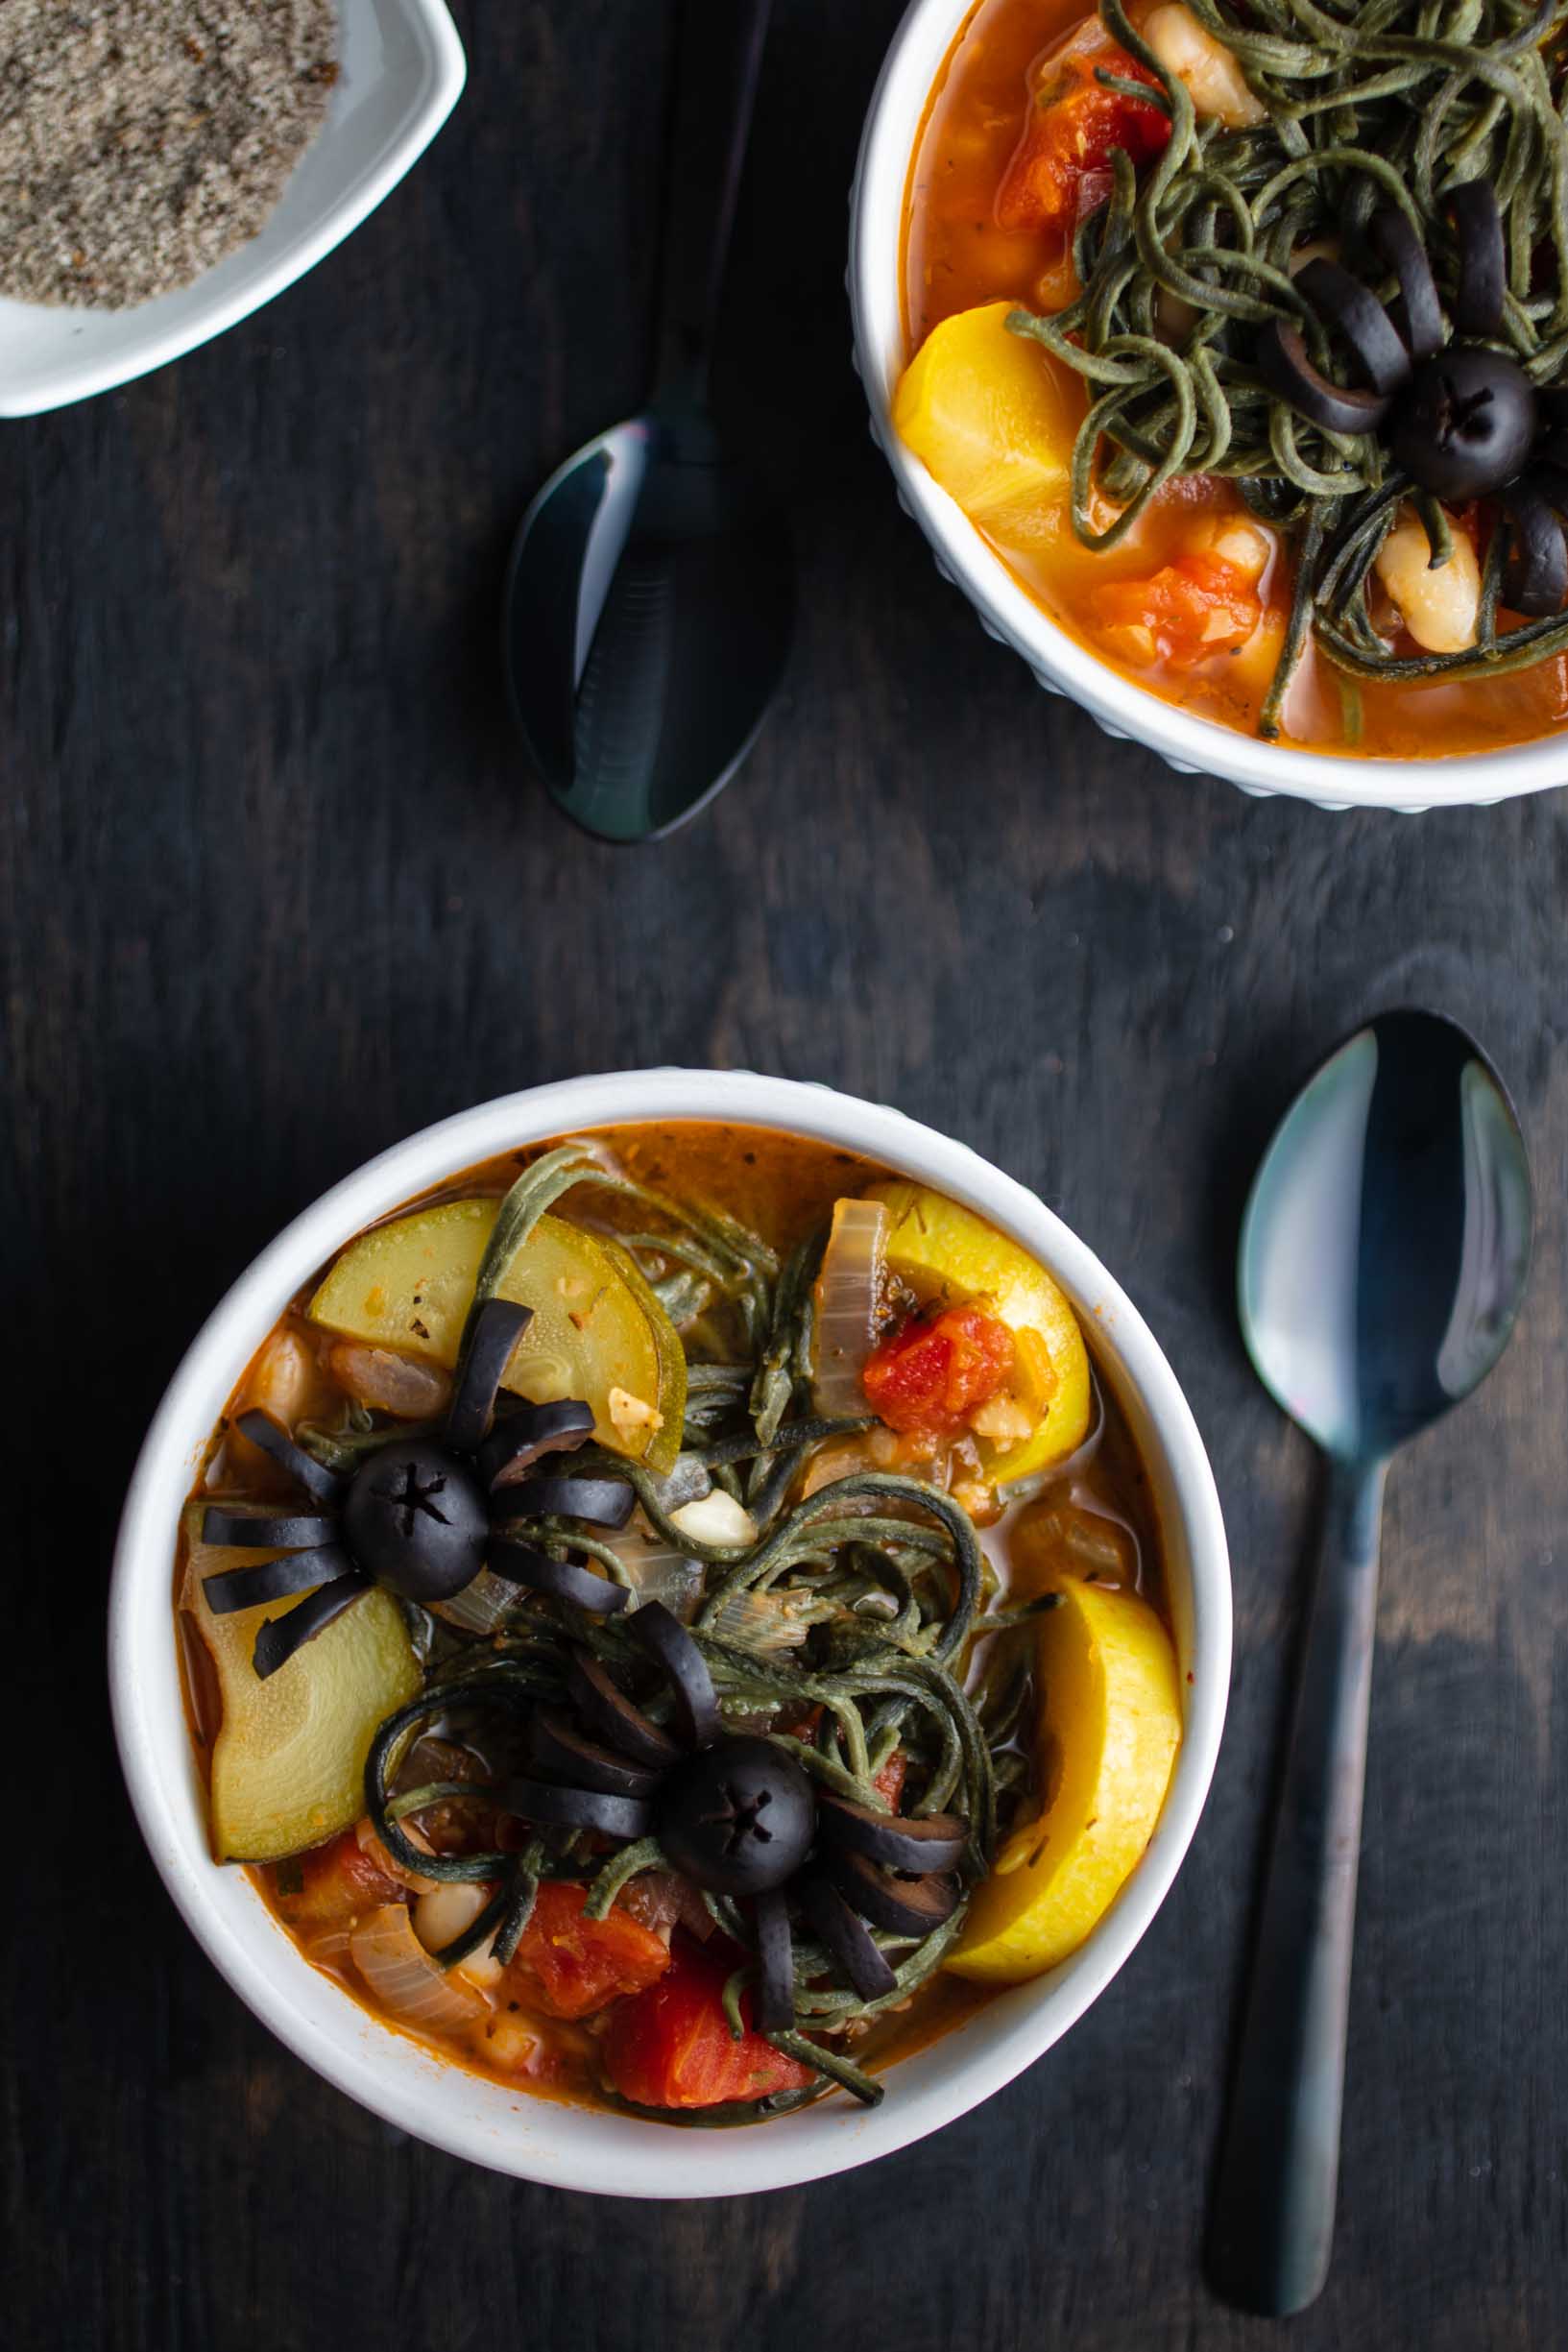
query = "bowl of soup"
x=671 y=1599
x=1226 y=389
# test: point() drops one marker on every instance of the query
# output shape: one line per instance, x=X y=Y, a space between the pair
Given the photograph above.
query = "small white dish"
x=894 y=121
x=402 y=69
x=578 y=2147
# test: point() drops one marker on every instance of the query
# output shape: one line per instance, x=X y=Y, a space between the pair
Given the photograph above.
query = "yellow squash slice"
x=994 y=417
x=1110 y=1728
x=288 y=1762
x=945 y=1254
x=599 y=1332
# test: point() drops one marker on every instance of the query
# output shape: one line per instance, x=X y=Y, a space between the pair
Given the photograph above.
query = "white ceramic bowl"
x=1060 y=665
x=402 y=68
x=575 y=2147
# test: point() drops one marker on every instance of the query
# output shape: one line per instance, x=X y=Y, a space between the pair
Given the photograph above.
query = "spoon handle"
x=716 y=68
x=1271 y=2226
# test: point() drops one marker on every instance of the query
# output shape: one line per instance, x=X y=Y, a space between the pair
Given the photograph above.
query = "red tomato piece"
x=671 y=2045
x=889 y=1781
x=931 y=1374
x=1196 y=607
x=569 y=1966
x=1061 y=168
x=335 y=1883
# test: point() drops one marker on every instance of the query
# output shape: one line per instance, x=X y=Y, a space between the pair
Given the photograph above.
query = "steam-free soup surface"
x=628 y=2008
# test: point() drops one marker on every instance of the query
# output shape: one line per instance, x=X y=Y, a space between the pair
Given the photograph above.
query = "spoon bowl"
x=1383 y=1257
x=647 y=622
x=1385 y=1243
x=650 y=601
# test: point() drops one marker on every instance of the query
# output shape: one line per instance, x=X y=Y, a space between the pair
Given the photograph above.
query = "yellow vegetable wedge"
x=598 y=1328
x=994 y=417
x=944 y=1253
x=1110 y=1728
x=288 y=1762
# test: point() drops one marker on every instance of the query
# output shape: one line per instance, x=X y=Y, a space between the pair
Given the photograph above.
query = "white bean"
x=1438 y=608
x=1215 y=82
x=442 y=1916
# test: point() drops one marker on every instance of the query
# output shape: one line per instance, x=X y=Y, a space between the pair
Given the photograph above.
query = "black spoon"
x=1384 y=1258
x=651 y=594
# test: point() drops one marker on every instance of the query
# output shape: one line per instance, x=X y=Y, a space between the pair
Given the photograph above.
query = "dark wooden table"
x=276 y=890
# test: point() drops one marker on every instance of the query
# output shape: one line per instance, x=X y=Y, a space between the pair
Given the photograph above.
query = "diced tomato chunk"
x=569 y=1966
x=889 y=1781
x=933 y=1373
x=671 y=2045
x=1061 y=168
x=333 y=1884
x=1196 y=607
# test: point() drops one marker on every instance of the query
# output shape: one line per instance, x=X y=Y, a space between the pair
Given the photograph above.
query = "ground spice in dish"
x=142 y=140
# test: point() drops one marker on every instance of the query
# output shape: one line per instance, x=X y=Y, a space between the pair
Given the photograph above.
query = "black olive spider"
x=419 y=1514
x=1459 y=416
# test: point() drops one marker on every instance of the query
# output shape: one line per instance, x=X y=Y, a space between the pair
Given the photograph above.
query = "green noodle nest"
x=885 y=1570
x=1365 y=106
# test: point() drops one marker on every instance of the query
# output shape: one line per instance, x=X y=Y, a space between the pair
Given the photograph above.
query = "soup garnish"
x=1291 y=443
x=662 y=1622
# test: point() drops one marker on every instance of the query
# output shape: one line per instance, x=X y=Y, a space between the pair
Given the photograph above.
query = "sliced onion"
x=849 y=1295
x=480 y=1607
x=767 y=1620
x=656 y=1570
x=405 y=1981
x=715 y=1518
x=330 y=1949
x=406 y=1386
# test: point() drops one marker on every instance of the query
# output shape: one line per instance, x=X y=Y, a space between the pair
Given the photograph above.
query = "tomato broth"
x=486 y=1807
x=1193 y=603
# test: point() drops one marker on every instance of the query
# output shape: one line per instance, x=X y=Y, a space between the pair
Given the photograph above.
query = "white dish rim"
x=150 y=340
x=393 y=2074
x=1123 y=710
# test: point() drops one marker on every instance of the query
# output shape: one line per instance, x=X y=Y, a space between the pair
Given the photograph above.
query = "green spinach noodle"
x=1365 y=108
x=885 y=1570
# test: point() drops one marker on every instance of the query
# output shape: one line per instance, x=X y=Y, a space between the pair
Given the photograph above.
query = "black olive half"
x=1418 y=314
x=487 y=1351
x=562 y=1578
x=846 y=1938
x=322 y=1485
x=1535 y=574
x=775 y=1964
x=559 y=1747
x=521 y=1438
x=607 y=1709
x=416 y=1520
x=918 y=1842
x=1344 y=303
x=598 y=1502
x=1465 y=426
x=247 y=1530
x=904 y=1907
x=575 y=1808
x=1283 y=363
x=279 y=1638
x=738 y=1817
x=1483 y=273
x=664 y=1640
x=274 y=1579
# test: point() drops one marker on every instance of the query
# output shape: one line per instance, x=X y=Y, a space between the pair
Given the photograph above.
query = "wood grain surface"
x=274 y=888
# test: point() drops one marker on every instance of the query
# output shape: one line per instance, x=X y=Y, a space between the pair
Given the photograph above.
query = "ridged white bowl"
x=1061 y=665
x=578 y=2147
x=401 y=68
